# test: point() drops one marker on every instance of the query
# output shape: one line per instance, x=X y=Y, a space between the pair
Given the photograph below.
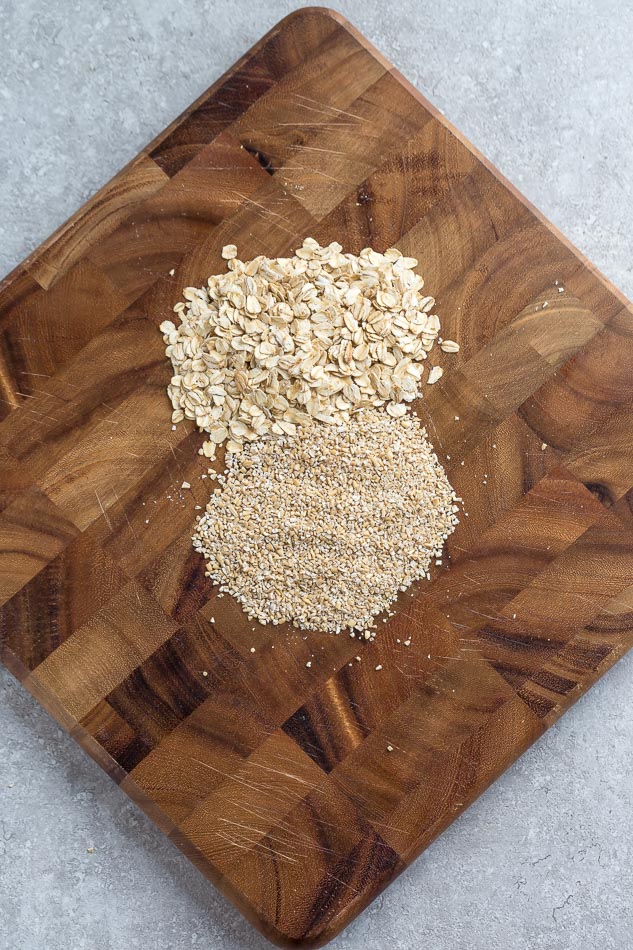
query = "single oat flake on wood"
x=274 y=776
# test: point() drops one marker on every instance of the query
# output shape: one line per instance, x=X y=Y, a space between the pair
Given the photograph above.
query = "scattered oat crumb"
x=172 y=272
x=90 y=850
x=389 y=748
x=185 y=485
x=205 y=673
x=543 y=446
x=456 y=418
x=407 y=643
x=309 y=664
x=561 y=290
x=252 y=649
x=379 y=667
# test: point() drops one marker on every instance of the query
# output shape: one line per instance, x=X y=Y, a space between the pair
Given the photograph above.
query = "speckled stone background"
x=545 y=89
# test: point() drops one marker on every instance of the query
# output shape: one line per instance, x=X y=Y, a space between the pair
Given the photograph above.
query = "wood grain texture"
x=275 y=778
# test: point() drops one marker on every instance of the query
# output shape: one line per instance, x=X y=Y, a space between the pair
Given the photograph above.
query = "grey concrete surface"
x=545 y=89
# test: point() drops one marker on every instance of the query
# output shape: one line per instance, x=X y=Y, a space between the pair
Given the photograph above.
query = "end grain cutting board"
x=273 y=777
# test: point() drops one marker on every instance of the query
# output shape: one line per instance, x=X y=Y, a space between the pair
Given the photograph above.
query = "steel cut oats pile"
x=323 y=529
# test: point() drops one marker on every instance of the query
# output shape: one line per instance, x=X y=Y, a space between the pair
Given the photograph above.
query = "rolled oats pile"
x=325 y=528
x=276 y=343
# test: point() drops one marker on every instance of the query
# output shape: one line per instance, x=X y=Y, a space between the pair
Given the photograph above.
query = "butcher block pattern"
x=276 y=778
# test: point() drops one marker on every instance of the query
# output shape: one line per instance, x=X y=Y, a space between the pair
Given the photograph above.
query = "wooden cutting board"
x=273 y=778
